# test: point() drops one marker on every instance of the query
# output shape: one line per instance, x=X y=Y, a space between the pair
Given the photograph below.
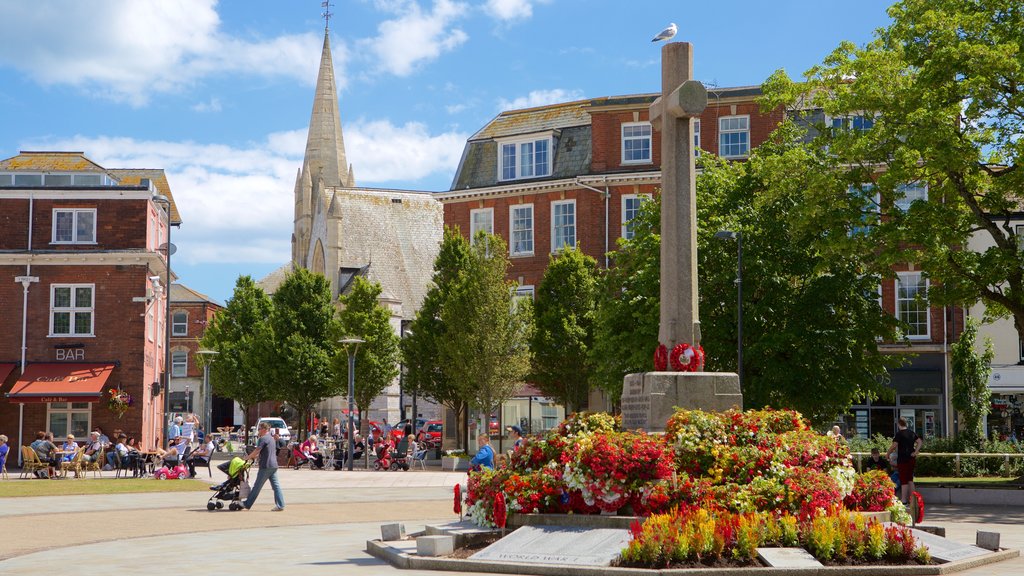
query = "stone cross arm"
x=686 y=101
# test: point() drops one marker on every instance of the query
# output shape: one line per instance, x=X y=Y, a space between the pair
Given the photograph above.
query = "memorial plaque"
x=635 y=404
x=788 y=558
x=557 y=545
x=943 y=550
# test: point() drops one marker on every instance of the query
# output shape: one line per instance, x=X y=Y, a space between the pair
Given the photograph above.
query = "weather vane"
x=327 y=14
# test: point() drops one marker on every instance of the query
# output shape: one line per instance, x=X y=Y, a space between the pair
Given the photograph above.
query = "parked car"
x=401 y=426
x=277 y=426
x=430 y=432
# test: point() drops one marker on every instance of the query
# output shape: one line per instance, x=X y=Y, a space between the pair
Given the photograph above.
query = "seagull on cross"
x=667 y=33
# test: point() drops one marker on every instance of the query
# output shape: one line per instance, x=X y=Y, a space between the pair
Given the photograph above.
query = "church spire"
x=325 y=144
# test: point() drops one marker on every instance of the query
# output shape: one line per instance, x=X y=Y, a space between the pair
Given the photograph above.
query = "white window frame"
x=846 y=122
x=520 y=293
x=649 y=137
x=862 y=227
x=722 y=132
x=554 y=225
x=179 y=366
x=627 y=232
x=927 y=308
x=74 y=226
x=74 y=309
x=68 y=411
x=512 y=230
x=905 y=201
x=696 y=137
x=175 y=324
x=518 y=144
x=473 y=229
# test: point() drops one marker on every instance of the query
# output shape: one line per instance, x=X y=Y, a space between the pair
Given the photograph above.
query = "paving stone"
x=557 y=545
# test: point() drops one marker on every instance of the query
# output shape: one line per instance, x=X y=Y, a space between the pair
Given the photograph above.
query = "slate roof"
x=272 y=281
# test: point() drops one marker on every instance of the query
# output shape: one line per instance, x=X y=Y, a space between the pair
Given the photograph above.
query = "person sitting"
x=484 y=457
x=359 y=448
x=69 y=447
x=4 y=449
x=93 y=448
x=103 y=438
x=311 y=451
x=200 y=456
x=47 y=452
x=876 y=462
x=177 y=452
x=122 y=452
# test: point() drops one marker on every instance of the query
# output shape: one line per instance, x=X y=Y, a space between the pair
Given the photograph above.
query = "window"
x=179 y=364
x=858 y=122
x=907 y=194
x=74 y=226
x=696 y=137
x=521 y=294
x=636 y=142
x=912 y=303
x=630 y=209
x=866 y=197
x=549 y=416
x=28 y=179
x=521 y=218
x=179 y=323
x=734 y=136
x=71 y=310
x=563 y=225
x=529 y=159
x=481 y=219
x=69 y=418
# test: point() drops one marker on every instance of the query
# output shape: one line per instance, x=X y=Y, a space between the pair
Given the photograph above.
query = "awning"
x=5 y=371
x=60 y=382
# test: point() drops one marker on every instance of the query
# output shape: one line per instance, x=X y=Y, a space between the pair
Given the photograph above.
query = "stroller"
x=231 y=489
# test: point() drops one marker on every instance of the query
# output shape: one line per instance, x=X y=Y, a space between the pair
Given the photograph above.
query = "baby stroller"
x=231 y=489
x=299 y=458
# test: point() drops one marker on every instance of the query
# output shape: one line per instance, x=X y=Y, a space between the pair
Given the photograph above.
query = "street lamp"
x=168 y=249
x=208 y=358
x=728 y=235
x=351 y=346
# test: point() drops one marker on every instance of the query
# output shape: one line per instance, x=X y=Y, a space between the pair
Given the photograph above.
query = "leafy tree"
x=362 y=316
x=425 y=372
x=811 y=320
x=485 y=353
x=305 y=336
x=934 y=99
x=971 y=396
x=563 y=334
x=241 y=335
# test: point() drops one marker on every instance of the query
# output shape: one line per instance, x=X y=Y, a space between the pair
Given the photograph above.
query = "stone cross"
x=681 y=100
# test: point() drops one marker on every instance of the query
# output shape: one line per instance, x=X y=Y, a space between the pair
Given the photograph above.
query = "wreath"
x=660 y=358
x=119 y=401
x=686 y=358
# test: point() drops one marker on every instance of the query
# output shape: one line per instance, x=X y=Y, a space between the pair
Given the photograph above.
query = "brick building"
x=190 y=314
x=81 y=291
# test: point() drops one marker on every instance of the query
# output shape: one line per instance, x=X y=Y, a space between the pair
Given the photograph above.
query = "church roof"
x=325 y=144
x=272 y=281
x=183 y=294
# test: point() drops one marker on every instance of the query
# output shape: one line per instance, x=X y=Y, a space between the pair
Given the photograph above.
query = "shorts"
x=906 y=470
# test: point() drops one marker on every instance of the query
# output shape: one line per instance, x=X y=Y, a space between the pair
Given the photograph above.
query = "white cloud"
x=236 y=201
x=127 y=50
x=455 y=108
x=415 y=36
x=510 y=9
x=540 y=98
x=213 y=105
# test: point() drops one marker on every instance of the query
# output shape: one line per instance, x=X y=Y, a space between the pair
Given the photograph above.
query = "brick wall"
x=120 y=224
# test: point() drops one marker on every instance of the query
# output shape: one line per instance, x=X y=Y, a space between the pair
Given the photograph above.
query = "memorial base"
x=650 y=398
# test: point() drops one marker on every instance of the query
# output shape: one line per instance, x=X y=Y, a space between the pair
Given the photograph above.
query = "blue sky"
x=219 y=93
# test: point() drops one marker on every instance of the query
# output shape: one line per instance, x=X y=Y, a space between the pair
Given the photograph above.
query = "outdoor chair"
x=31 y=462
x=129 y=464
x=3 y=471
x=73 y=465
x=96 y=466
x=419 y=457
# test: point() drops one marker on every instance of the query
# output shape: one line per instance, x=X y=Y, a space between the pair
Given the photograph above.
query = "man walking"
x=266 y=451
x=906 y=443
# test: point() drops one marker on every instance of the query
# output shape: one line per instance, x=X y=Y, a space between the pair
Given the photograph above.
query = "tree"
x=242 y=336
x=971 y=396
x=424 y=366
x=305 y=336
x=485 y=353
x=811 y=318
x=935 y=99
x=563 y=334
x=363 y=317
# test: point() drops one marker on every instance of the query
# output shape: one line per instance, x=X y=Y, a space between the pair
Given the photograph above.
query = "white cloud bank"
x=540 y=98
x=415 y=36
x=236 y=201
x=510 y=10
x=127 y=50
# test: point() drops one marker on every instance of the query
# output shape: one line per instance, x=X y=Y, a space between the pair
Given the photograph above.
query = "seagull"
x=667 y=33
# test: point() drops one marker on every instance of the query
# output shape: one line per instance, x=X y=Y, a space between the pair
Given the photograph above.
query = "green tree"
x=305 y=340
x=563 y=334
x=485 y=353
x=935 y=99
x=241 y=335
x=424 y=366
x=971 y=396
x=363 y=316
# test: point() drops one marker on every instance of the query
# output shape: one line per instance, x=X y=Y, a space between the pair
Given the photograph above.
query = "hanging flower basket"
x=119 y=401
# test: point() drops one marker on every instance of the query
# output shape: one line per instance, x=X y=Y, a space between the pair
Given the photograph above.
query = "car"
x=277 y=426
x=401 y=426
x=430 y=432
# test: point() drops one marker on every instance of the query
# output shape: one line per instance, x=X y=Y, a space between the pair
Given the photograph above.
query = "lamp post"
x=168 y=249
x=208 y=357
x=351 y=346
x=188 y=400
x=728 y=235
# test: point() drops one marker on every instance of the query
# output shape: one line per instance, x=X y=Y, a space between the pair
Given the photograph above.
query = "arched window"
x=179 y=323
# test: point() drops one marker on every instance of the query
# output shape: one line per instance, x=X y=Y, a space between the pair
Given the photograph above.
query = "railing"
x=956 y=458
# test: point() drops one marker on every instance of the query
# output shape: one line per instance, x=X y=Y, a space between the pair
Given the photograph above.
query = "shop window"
x=65 y=418
x=549 y=416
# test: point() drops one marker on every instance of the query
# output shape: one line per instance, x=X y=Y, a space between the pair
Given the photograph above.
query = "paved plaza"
x=328 y=519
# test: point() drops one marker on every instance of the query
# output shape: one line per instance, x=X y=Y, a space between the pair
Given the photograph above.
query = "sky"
x=219 y=94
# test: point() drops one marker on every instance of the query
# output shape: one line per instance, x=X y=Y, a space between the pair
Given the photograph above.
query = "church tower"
x=325 y=164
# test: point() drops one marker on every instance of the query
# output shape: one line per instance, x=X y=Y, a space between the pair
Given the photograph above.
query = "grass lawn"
x=980 y=482
x=97 y=486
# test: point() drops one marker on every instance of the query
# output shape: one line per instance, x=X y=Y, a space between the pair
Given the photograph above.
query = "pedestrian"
x=837 y=433
x=515 y=434
x=266 y=451
x=906 y=444
x=174 y=430
x=484 y=457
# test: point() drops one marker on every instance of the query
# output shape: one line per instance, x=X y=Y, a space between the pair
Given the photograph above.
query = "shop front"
x=918 y=396
x=1006 y=415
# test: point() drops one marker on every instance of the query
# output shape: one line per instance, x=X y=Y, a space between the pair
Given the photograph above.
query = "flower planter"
x=453 y=464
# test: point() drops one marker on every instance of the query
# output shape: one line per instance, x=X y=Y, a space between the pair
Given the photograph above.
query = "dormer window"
x=524 y=158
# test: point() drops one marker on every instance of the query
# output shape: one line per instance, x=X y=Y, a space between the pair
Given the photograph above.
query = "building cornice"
x=519 y=188
x=132 y=258
x=104 y=193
